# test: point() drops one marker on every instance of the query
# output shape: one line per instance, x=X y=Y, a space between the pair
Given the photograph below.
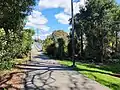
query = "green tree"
x=95 y=23
x=12 y=22
x=26 y=42
x=57 y=43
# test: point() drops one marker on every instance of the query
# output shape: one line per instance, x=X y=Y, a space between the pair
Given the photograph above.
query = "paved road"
x=43 y=73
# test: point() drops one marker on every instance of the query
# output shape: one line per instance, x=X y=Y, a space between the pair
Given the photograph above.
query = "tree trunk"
x=81 y=43
x=6 y=36
x=116 y=41
x=102 y=50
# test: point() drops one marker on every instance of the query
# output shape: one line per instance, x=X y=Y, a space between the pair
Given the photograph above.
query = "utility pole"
x=37 y=35
x=73 y=47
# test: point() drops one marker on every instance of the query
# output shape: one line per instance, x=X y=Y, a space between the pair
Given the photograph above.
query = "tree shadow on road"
x=11 y=81
x=38 y=75
x=42 y=56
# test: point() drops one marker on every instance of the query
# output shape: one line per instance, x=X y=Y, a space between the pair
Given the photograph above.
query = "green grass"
x=8 y=67
x=100 y=74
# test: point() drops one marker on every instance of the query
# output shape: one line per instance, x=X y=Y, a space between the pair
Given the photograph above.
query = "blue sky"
x=50 y=16
x=118 y=1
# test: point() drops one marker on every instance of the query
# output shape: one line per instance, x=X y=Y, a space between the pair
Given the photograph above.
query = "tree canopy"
x=14 y=39
x=56 y=44
x=96 y=23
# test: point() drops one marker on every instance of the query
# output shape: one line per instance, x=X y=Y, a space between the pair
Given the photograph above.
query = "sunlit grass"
x=21 y=61
x=100 y=74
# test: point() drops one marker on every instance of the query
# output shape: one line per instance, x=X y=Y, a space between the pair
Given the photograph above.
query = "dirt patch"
x=12 y=81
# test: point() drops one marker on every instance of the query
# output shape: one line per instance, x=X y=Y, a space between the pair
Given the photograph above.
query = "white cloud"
x=45 y=35
x=65 y=4
x=44 y=4
x=37 y=21
x=62 y=18
x=42 y=36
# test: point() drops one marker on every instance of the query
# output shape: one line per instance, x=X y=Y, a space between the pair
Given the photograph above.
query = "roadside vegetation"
x=15 y=41
x=55 y=45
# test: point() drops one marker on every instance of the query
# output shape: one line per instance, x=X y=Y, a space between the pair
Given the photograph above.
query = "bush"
x=6 y=65
x=51 y=49
x=17 y=45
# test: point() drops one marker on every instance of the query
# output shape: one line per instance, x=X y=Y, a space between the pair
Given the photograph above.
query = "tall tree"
x=56 y=43
x=12 y=16
x=95 y=23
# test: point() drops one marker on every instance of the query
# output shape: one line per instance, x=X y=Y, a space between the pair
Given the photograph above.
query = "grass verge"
x=101 y=74
x=12 y=69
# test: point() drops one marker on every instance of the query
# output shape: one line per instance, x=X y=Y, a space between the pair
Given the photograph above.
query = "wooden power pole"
x=73 y=46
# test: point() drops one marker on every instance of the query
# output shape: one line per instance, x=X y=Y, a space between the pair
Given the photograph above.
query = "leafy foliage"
x=96 y=27
x=17 y=47
x=12 y=35
x=56 y=44
x=26 y=42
